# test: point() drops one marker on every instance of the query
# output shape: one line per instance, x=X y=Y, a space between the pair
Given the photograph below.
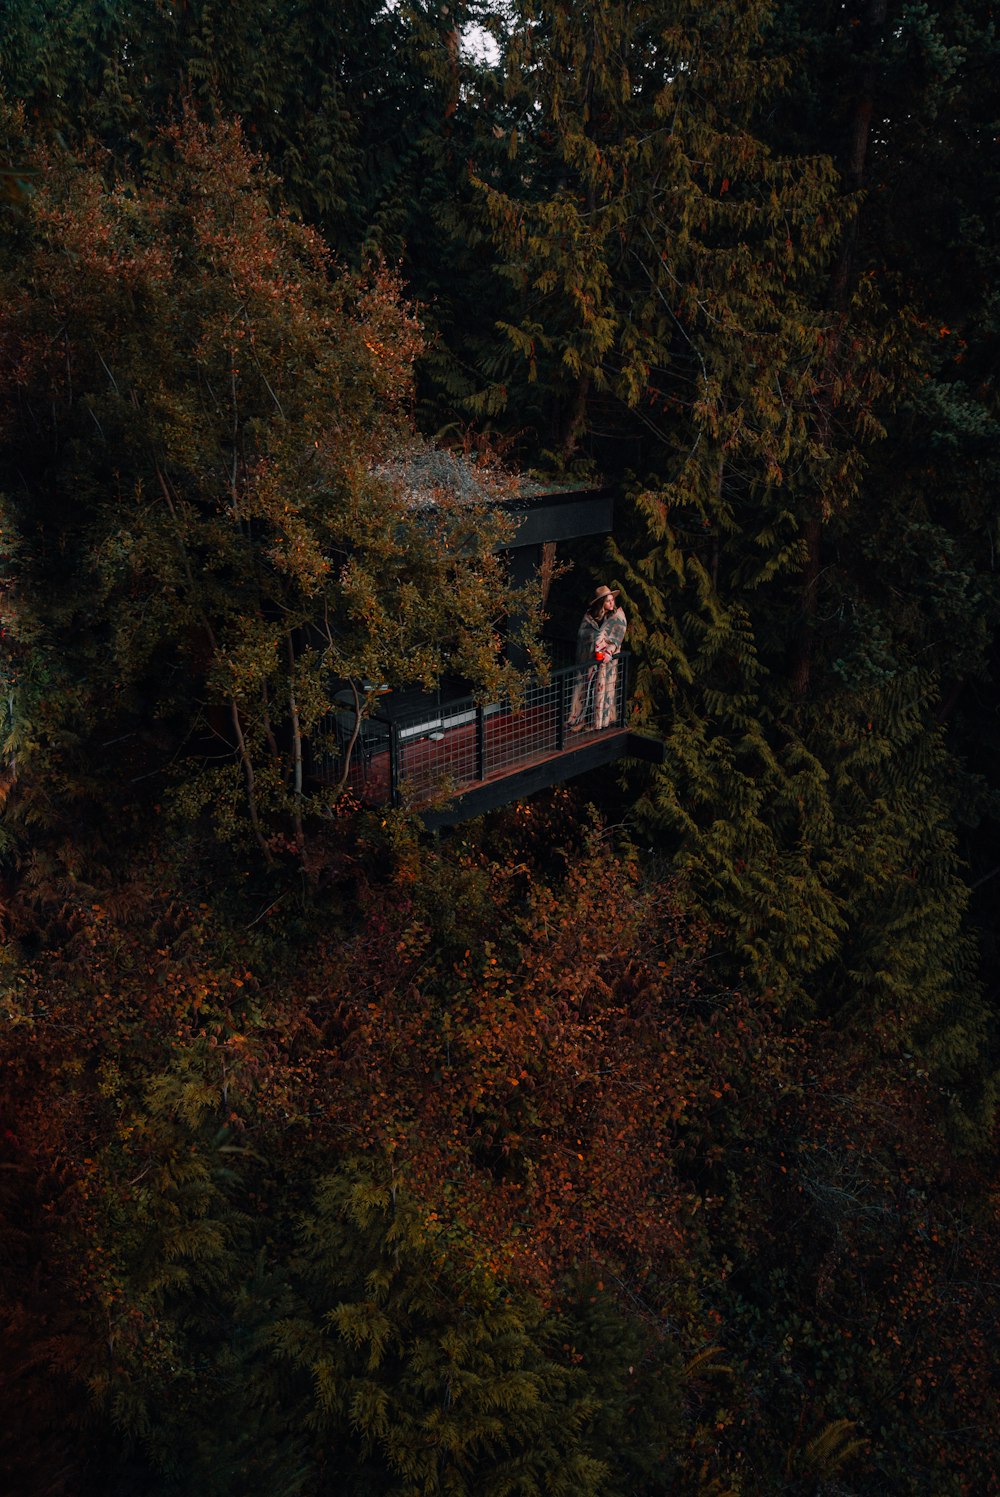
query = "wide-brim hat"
x=604 y=592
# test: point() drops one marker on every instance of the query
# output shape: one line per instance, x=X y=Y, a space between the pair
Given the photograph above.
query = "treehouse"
x=450 y=756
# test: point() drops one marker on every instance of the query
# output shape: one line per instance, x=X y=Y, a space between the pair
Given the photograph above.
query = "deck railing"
x=415 y=750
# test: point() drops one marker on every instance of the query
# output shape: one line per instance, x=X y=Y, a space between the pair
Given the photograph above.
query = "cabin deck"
x=429 y=774
x=426 y=752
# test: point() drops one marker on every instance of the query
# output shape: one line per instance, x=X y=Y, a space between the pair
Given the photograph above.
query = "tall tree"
x=116 y=73
x=669 y=268
x=692 y=284
x=912 y=578
x=197 y=408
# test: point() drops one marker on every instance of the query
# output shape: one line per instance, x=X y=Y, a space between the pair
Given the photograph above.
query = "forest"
x=639 y=1136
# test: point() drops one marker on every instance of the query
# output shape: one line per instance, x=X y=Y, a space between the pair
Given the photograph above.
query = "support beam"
x=553 y=771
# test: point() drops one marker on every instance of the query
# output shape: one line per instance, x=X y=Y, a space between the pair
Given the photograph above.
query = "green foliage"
x=445 y=1384
x=116 y=73
x=467 y=1166
x=227 y=1264
x=659 y=252
x=250 y=1300
x=195 y=484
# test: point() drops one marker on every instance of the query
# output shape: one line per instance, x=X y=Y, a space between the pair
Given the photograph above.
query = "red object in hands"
x=599 y=655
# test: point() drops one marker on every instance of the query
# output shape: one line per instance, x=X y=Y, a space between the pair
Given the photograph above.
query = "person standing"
x=609 y=647
x=598 y=643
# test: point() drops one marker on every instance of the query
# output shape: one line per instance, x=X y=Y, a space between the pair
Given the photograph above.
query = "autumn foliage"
x=523 y=1074
x=640 y=1140
x=209 y=411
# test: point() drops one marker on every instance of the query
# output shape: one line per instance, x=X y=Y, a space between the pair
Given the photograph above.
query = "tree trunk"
x=293 y=712
x=576 y=421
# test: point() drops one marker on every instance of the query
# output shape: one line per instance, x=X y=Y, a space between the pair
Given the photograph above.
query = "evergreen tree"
x=478 y=1173
x=909 y=587
x=305 y=80
x=689 y=291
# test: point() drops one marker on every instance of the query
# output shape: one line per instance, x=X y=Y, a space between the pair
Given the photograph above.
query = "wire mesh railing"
x=414 y=750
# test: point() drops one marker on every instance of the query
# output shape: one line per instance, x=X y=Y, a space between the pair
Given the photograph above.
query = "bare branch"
x=293 y=708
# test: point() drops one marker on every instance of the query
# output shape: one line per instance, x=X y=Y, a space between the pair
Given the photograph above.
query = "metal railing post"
x=394 y=764
x=480 y=743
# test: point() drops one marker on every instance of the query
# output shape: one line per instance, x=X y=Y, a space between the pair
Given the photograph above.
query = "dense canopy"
x=639 y=1138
